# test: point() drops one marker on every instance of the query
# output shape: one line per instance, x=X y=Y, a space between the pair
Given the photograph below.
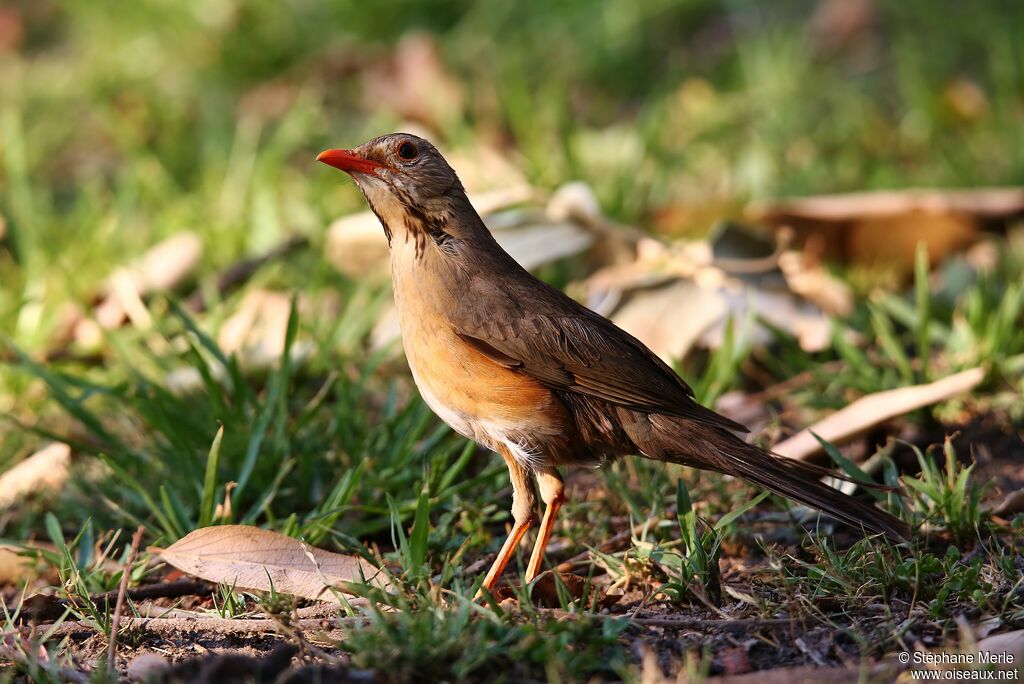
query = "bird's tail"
x=689 y=443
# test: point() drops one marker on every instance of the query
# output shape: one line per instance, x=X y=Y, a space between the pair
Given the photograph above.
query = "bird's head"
x=408 y=184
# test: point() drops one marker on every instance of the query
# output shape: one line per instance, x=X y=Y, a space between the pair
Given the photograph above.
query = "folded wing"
x=572 y=349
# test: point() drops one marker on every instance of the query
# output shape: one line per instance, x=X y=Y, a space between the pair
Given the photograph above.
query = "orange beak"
x=348 y=161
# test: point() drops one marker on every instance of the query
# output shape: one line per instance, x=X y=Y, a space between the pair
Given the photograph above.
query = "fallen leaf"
x=534 y=241
x=986 y=203
x=671 y=318
x=883 y=228
x=257 y=559
x=1009 y=644
x=45 y=470
x=387 y=329
x=779 y=307
x=891 y=241
x=575 y=201
x=674 y=296
x=168 y=263
x=484 y=170
x=1003 y=652
x=870 y=410
x=163 y=267
x=1011 y=504
x=16 y=567
x=258 y=325
x=812 y=281
x=654 y=263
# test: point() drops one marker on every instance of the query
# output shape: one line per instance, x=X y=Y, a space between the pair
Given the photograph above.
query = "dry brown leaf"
x=891 y=241
x=884 y=227
x=257 y=559
x=988 y=203
x=654 y=263
x=22 y=561
x=46 y=469
x=671 y=318
x=256 y=331
x=876 y=408
x=168 y=263
x=387 y=329
x=672 y=296
x=534 y=242
x=163 y=267
x=484 y=169
x=1003 y=652
x=259 y=325
x=813 y=282
x=575 y=201
x=15 y=568
x=1009 y=643
x=1012 y=504
x=779 y=307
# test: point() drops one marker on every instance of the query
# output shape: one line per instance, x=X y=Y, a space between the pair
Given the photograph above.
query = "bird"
x=522 y=369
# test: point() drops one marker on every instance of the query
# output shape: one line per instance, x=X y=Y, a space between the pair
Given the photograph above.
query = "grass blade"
x=206 y=506
x=420 y=528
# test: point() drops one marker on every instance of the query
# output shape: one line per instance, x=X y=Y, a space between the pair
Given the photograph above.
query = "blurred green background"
x=122 y=123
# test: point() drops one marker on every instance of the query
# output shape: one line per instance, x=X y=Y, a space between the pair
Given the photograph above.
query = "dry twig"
x=115 y=622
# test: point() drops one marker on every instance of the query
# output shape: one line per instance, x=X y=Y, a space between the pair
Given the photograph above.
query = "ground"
x=189 y=337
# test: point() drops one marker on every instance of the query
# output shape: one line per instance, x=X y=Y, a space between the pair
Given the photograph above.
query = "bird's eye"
x=408 y=151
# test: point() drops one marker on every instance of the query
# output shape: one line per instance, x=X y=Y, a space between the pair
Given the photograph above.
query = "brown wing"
x=570 y=348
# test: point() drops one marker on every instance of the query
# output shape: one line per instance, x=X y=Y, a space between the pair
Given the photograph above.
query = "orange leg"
x=523 y=501
x=552 y=492
x=504 y=556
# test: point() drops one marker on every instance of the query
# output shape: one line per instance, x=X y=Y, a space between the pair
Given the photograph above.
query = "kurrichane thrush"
x=519 y=367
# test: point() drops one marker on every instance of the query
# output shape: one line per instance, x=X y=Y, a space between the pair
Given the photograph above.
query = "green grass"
x=918 y=337
x=119 y=130
x=461 y=641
